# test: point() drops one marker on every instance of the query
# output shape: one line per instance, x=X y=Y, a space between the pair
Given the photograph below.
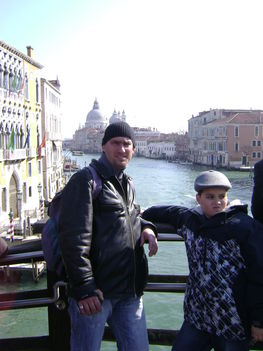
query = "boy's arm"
x=165 y=214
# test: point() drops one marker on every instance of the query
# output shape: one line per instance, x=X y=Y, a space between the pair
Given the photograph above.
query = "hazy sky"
x=161 y=61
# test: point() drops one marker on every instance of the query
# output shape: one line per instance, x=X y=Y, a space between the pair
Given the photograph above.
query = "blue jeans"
x=190 y=338
x=125 y=317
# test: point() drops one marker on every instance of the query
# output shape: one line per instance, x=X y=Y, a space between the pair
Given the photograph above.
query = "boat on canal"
x=77 y=153
x=70 y=165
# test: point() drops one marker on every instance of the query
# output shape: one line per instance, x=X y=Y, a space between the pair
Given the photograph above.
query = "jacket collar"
x=232 y=207
x=105 y=169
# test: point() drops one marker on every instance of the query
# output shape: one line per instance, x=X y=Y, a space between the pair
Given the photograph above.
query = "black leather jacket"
x=257 y=195
x=100 y=239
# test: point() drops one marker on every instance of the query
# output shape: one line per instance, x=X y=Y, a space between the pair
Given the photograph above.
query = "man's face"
x=118 y=151
x=212 y=200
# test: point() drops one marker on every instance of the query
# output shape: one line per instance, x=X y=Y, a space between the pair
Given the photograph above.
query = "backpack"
x=50 y=245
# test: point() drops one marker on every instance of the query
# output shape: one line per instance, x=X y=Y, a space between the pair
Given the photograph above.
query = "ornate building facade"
x=226 y=138
x=22 y=136
x=53 y=177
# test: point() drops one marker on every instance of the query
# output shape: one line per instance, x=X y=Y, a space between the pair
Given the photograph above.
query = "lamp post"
x=11 y=225
x=19 y=206
x=41 y=201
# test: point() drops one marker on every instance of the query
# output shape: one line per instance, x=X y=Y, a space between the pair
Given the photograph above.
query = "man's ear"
x=197 y=196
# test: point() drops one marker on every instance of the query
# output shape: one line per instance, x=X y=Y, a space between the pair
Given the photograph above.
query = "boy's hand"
x=257 y=333
x=149 y=236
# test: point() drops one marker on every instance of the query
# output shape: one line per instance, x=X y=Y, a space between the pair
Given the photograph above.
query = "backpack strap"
x=97 y=184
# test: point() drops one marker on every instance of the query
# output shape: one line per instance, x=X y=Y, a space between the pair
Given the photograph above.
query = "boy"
x=223 y=303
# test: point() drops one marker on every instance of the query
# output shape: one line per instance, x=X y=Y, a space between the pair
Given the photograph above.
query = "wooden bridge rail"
x=54 y=297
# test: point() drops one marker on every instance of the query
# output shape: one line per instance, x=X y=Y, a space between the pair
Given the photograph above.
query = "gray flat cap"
x=211 y=179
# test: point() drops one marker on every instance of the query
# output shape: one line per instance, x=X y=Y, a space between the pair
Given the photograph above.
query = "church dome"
x=117 y=117
x=114 y=118
x=95 y=118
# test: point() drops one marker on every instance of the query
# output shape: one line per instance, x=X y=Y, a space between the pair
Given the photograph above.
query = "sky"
x=161 y=61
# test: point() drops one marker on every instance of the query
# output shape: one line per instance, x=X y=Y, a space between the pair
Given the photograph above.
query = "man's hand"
x=92 y=304
x=256 y=333
x=149 y=236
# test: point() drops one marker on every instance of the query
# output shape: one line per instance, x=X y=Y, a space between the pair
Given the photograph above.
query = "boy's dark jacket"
x=100 y=240
x=232 y=224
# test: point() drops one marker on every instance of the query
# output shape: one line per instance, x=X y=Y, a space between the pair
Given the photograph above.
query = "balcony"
x=31 y=153
x=17 y=154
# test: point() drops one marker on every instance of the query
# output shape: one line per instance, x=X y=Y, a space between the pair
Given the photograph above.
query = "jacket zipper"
x=125 y=197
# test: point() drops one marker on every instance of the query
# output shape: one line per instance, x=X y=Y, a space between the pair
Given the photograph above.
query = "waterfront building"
x=226 y=138
x=172 y=147
x=161 y=150
x=142 y=137
x=53 y=178
x=20 y=134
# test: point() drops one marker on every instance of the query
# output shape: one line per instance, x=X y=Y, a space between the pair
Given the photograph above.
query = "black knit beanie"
x=118 y=129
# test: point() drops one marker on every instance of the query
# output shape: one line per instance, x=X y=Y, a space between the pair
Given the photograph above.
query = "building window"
x=236 y=147
x=24 y=193
x=1 y=77
x=27 y=87
x=30 y=191
x=29 y=169
x=4 y=202
x=259 y=155
x=39 y=167
x=253 y=154
x=254 y=142
x=258 y=143
x=236 y=132
x=20 y=82
x=256 y=131
x=37 y=91
x=10 y=79
x=5 y=78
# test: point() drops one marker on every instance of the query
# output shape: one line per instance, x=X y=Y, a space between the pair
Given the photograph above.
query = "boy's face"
x=212 y=200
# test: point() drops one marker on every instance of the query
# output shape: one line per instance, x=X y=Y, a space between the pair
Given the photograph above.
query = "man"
x=257 y=195
x=102 y=247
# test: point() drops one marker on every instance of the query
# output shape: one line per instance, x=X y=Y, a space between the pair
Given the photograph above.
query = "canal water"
x=156 y=182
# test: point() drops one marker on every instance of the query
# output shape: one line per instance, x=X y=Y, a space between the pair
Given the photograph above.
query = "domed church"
x=89 y=137
x=95 y=119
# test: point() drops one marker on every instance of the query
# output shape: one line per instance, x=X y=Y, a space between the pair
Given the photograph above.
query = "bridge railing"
x=54 y=297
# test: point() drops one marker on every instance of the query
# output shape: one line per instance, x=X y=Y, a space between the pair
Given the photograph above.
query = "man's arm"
x=256 y=333
x=91 y=305
x=75 y=234
x=148 y=235
x=251 y=247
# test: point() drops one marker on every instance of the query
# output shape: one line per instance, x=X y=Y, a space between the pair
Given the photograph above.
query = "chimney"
x=30 y=51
